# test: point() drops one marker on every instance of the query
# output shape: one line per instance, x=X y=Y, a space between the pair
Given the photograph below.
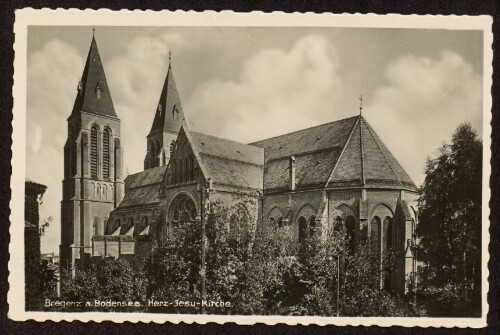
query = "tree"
x=329 y=268
x=450 y=227
x=173 y=269
x=245 y=265
x=110 y=279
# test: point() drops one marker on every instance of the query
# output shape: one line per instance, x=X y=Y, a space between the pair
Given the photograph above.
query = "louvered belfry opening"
x=93 y=151
x=105 y=154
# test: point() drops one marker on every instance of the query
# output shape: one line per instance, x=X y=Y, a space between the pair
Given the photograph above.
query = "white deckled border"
x=105 y=17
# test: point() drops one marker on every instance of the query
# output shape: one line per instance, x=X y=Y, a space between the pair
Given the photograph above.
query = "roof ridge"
x=225 y=139
x=381 y=151
x=303 y=129
x=343 y=150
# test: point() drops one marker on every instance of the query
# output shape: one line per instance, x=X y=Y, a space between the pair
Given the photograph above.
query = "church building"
x=336 y=173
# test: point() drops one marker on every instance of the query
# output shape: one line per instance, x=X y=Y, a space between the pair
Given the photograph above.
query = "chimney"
x=292 y=172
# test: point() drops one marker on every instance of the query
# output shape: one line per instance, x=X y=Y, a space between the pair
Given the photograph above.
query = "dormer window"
x=175 y=112
x=98 y=91
x=80 y=87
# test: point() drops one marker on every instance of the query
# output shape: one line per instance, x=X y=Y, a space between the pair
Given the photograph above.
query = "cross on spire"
x=93 y=31
x=169 y=56
x=360 y=104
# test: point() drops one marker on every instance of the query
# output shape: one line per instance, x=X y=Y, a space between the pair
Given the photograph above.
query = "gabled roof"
x=169 y=115
x=337 y=154
x=228 y=162
x=143 y=188
x=93 y=78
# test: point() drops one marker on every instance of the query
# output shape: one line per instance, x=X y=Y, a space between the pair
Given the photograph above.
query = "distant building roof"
x=343 y=153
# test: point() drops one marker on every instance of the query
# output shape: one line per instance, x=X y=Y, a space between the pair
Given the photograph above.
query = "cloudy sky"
x=248 y=84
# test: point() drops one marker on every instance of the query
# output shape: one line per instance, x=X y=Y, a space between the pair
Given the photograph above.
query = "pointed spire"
x=93 y=91
x=169 y=116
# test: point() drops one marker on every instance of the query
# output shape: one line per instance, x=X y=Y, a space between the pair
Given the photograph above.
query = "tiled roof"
x=216 y=146
x=311 y=169
x=228 y=162
x=169 y=98
x=92 y=78
x=329 y=135
x=143 y=188
x=146 y=177
x=342 y=153
x=234 y=173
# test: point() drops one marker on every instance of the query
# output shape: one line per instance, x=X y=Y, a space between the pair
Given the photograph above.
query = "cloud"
x=422 y=103
x=49 y=102
x=275 y=92
x=135 y=79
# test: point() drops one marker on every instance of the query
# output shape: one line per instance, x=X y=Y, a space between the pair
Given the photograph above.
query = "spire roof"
x=169 y=115
x=93 y=91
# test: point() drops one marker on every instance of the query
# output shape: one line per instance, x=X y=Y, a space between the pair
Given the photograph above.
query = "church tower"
x=92 y=184
x=168 y=120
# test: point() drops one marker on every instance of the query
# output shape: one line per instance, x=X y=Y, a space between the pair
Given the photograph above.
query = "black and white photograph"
x=325 y=173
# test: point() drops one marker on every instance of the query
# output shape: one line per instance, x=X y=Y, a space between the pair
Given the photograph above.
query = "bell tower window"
x=105 y=153
x=93 y=151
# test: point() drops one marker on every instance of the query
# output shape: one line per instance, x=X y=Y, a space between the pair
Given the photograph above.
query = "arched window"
x=98 y=192
x=152 y=151
x=272 y=221
x=181 y=171
x=312 y=225
x=142 y=226
x=375 y=231
x=105 y=153
x=157 y=154
x=104 y=192
x=350 y=225
x=234 y=227
x=388 y=234
x=94 y=133
x=302 y=229
x=104 y=225
x=95 y=226
x=182 y=210
x=174 y=172
x=191 y=168
x=126 y=227
x=186 y=172
x=164 y=158
x=113 y=227
x=280 y=222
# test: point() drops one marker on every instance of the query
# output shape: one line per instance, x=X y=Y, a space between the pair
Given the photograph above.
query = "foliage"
x=329 y=269
x=47 y=279
x=450 y=227
x=173 y=269
x=262 y=270
x=110 y=279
